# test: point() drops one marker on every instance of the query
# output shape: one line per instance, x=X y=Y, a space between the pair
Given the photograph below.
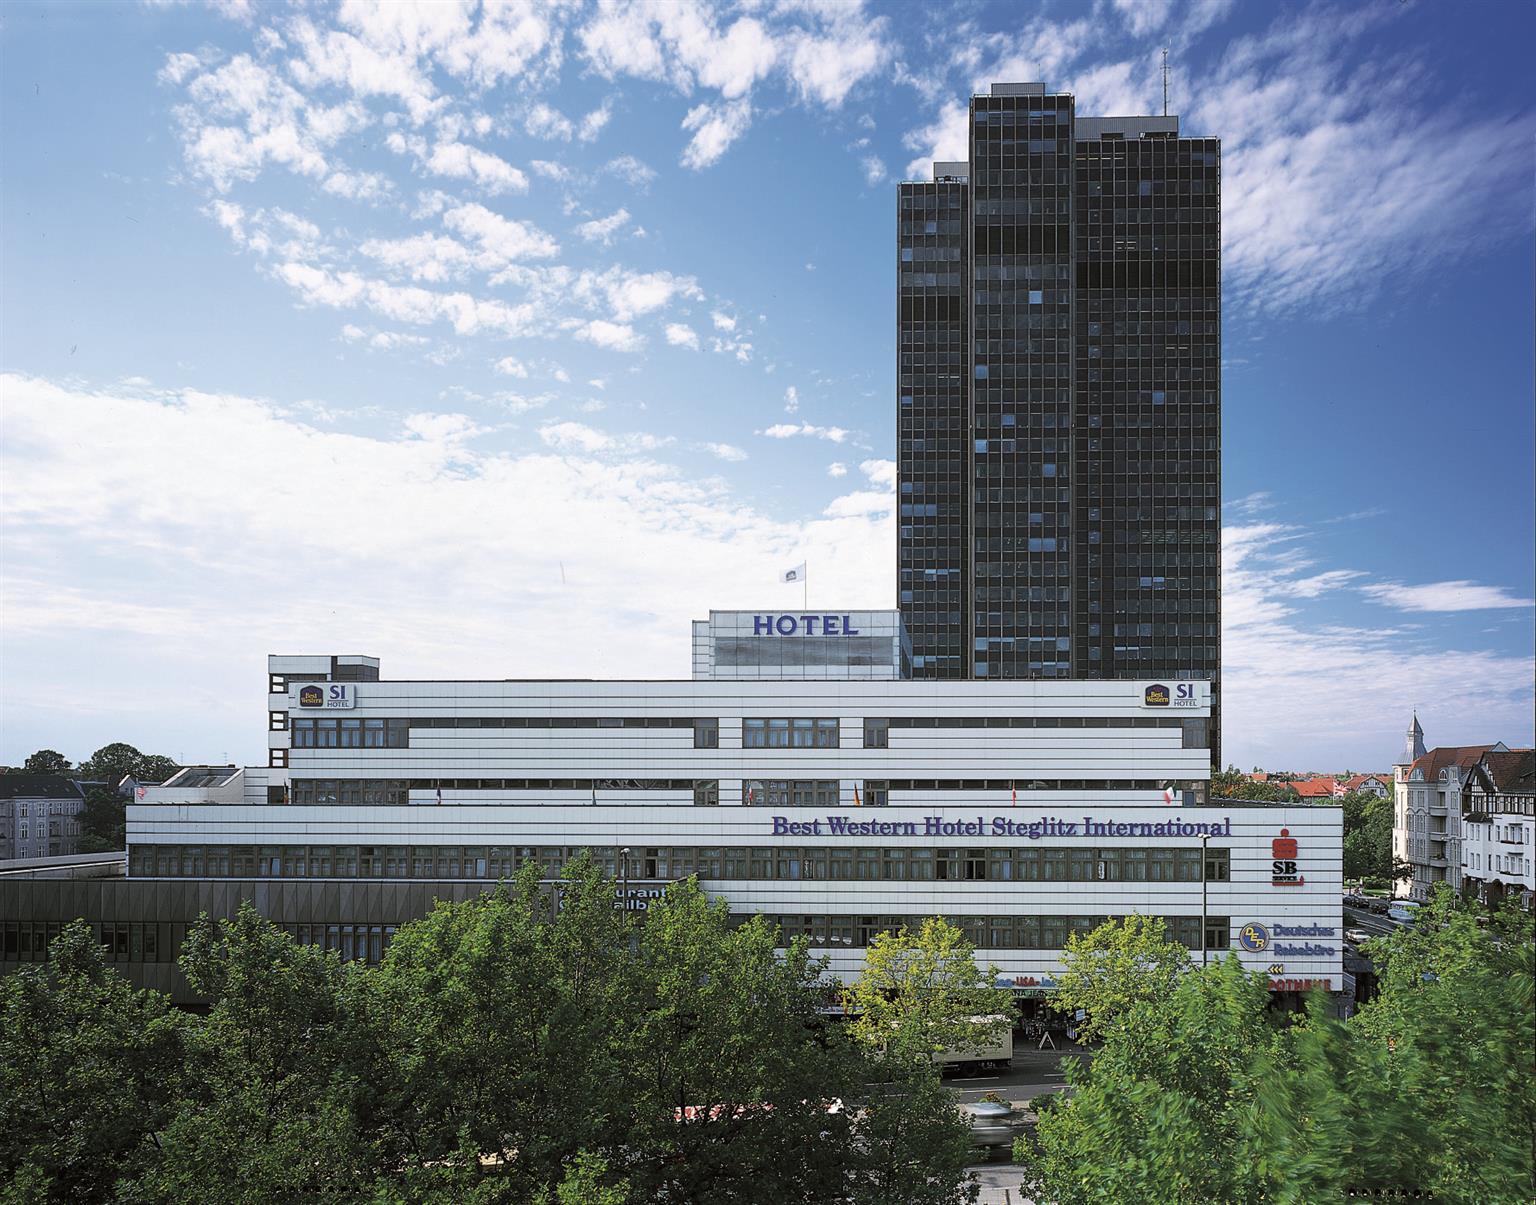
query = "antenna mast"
x=1165 y=81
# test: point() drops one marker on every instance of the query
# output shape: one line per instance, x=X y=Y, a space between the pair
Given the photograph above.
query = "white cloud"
x=501 y=240
x=631 y=170
x=578 y=437
x=616 y=336
x=714 y=128
x=602 y=230
x=880 y=472
x=836 y=435
x=837 y=469
x=791 y=400
x=1299 y=691
x=1143 y=17
x=680 y=335
x=592 y=124
x=511 y=366
x=729 y=452
x=723 y=322
x=546 y=122
x=947 y=137
x=874 y=169
x=1444 y=596
x=550 y=170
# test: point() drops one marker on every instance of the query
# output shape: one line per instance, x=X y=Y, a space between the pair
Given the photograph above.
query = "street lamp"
x=1205 y=841
x=624 y=879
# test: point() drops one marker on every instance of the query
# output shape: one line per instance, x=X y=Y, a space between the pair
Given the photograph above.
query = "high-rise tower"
x=1059 y=410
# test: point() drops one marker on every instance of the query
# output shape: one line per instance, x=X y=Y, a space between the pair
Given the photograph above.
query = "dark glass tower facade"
x=1060 y=476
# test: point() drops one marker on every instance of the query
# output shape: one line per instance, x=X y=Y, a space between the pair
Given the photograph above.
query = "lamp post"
x=1205 y=841
x=624 y=880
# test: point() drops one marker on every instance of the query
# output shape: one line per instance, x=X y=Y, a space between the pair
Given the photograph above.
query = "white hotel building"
x=798 y=775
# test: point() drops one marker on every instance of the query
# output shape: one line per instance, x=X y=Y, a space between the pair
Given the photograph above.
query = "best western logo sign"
x=328 y=695
x=1180 y=694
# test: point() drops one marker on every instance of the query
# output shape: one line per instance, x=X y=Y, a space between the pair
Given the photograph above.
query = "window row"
x=789 y=733
x=755 y=792
x=989 y=932
x=710 y=863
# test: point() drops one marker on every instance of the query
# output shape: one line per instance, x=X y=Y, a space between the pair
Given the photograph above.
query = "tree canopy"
x=1204 y=1093
x=533 y=1044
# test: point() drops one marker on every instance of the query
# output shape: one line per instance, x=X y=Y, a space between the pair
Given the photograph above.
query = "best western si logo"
x=1283 y=849
x=311 y=696
x=1156 y=695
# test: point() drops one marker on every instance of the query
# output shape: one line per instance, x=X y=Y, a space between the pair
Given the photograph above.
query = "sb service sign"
x=328 y=695
x=1284 y=868
x=1180 y=694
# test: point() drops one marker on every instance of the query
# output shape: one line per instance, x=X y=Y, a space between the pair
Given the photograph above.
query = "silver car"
x=994 y=1126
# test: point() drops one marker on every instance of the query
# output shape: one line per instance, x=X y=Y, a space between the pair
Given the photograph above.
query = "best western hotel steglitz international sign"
x=803 y=625
x=997 y=826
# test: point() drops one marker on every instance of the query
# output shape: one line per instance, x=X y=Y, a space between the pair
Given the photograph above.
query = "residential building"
x=1498 y=828
x=837 y=804
x=1427 y=810
x=1379 y=785
x=1059 y=399
x=39 y=815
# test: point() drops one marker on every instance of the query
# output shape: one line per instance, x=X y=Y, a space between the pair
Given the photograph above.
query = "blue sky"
x=502 y=342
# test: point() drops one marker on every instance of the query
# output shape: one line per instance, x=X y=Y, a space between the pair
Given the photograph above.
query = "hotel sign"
x=803 y=625
x=328 y=695
x=997 y=826
x=1180 y=694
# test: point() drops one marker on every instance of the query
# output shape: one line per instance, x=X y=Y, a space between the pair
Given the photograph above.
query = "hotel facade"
x=836 y=801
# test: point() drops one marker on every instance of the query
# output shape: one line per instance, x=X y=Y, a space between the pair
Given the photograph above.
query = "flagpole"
x=805 y=590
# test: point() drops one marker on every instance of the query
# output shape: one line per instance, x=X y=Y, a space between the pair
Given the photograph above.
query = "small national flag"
x=797 y=574
x=857 y=802
x=1014 y=802
x=439 y=796
x=139 y=791
x=1168 y=794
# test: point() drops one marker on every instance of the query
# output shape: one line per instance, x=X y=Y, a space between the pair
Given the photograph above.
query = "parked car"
x=1377 y=906
x=1355 y=936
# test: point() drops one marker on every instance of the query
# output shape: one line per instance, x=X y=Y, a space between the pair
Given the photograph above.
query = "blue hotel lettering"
x=796 y=625
x=1000 y=826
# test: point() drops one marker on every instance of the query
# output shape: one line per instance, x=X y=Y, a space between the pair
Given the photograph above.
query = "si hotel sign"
x=328 y=695
x=1180 y=694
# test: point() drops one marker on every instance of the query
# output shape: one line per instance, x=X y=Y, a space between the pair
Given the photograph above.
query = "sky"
x=501 y=341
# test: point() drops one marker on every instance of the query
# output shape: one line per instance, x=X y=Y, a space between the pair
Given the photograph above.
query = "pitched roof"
x=1465 y=756
x=37 y=786
x=1355 y=781
x=1512 y=772
x=1314 y=788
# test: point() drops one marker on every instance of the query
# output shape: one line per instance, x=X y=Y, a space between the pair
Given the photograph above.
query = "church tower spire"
x=1413 y=743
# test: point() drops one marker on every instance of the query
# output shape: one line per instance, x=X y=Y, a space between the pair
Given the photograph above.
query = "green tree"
x=1160 y=1111
x=920 y=993
x=103 y=821
x=263 y=1118
x=1121 y=964
x=112 y=763
x=1231 y=783
x=89 y=1070
x=497 y=1030
x=911 y=1143
x=46 y=761
x=1457 y=1015
x=734 y=1075
x=1368 y=839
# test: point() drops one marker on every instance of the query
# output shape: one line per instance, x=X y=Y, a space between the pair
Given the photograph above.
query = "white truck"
x=995 y=1050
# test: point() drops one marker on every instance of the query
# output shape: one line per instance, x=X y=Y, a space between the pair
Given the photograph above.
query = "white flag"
x=797 y=574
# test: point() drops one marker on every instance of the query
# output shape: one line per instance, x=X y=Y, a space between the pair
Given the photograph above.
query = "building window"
x=1197 y=734
x=877 y=793
x=1218 y=865
x=789 y=734
x=706 y=792
x=761 y=792
x=877 y=734
x=706 y=734
x=1218 y=932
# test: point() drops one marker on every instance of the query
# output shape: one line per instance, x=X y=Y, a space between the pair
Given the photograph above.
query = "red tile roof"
x=1314 y=788
x=1464 y=756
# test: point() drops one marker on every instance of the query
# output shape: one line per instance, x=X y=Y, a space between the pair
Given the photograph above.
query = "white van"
x=1404 y=911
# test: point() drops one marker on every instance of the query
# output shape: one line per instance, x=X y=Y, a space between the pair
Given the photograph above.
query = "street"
x=1033 y=1073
